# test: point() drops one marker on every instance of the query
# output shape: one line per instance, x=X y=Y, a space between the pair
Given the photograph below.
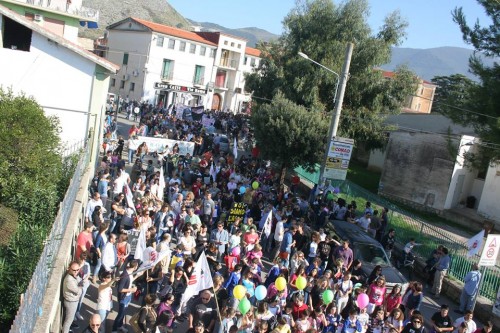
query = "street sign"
x=339 y=155
x=490 y=251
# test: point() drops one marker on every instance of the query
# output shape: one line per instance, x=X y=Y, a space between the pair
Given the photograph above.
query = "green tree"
x=483 y=111
x=32 y=183
x=322 y=30
x=289 y=134
x=454 y=93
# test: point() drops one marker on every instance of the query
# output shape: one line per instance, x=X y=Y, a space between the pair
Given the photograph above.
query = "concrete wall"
x=488 y=206
x=377 y=159
x=58 y=79
x=418 y=169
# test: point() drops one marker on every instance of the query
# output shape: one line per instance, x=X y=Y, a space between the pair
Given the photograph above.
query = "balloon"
x=336 y=190
x=260 y=292
x=236 y=251
x=243 y=189
x=362 y=301
x=280 y=283
x=255 y=185
x=329 y=196
x=244 y=306
x=301 y=283
x=327 y=296
x=239 y=291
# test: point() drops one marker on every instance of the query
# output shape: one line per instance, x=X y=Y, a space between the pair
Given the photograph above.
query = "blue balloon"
x=243 y=189
x=260 y=293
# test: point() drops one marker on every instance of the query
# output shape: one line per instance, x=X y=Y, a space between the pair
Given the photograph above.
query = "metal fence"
x=408 y=225
x=31 y=301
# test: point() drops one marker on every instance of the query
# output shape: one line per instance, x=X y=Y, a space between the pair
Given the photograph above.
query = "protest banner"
x=159 y=144
x=133 y=239
x=207 y=121
x=238 y=209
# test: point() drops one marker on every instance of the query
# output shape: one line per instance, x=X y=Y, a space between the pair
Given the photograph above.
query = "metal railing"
x=408 y=225
x=31 y=301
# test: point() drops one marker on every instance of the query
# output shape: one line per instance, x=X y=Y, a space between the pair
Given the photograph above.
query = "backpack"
x=272 y=323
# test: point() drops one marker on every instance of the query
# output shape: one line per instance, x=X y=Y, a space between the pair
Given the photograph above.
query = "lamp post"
x=337 y=99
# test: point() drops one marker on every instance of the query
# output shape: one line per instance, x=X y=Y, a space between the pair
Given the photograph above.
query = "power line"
x=455 y=107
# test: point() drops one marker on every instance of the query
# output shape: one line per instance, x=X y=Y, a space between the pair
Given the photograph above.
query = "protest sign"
x=159 y=144
x=238 y=209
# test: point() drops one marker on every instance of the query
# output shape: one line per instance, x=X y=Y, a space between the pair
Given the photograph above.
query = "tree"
x=483 y=110
x=289 y=134
x=322 y=30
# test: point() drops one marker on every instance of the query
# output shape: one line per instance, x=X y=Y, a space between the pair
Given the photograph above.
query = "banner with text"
x=238 y=209
x=159 y=144
x=339 y=155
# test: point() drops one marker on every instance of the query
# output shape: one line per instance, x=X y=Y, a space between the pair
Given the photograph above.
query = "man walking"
x=471 y=288
x=125 y=291
x=72 y=290
x=442 y=267
x=220 y=237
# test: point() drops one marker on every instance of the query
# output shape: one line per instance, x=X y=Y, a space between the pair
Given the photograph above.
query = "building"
x=61 y=17
x=66 y=80
x=166 y=65
x=421 y=101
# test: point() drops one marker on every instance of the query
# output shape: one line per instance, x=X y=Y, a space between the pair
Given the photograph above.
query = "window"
x=232 y=44
x=239 y=46
x=182 y=47
x=171 y=44
x=112 y=82
x=225 y=42
x=220 y=79
x=132 y=86
x=199 y=75
x=245 y=61
x=15 y=36
x=125 y=59
x=167 y=71
x=212 y=53
x=159 y=41
x=252 y=62
x=203 y=50
x=122 y=84
x=192 y=48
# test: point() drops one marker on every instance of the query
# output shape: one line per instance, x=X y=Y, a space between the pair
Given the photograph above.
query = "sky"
x=430 y=22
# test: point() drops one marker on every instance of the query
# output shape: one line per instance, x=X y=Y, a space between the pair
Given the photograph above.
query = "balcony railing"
x=228 y=63
x=73 y=7
x=198 y=81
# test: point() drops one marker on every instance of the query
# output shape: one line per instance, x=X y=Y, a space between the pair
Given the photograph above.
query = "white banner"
x=206 y=121
x=200 y=279
x=159 y=144
x=474 y=244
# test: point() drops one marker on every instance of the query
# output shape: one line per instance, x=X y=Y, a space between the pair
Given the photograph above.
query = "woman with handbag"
x=144 y=321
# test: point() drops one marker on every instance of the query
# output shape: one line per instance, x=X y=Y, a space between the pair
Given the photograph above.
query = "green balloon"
x=327 y=296
x=245 y=306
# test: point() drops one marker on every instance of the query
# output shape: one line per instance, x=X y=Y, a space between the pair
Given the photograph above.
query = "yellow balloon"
x=301 y=283
x=239 y=291
x=280 y=283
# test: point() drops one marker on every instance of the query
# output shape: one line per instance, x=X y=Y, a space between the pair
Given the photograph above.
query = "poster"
x=159 y=144
x=339 y=155
x=238 y=209
x=133 y=238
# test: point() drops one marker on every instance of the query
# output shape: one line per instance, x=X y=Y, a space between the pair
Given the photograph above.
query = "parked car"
x=224 y=145
x=369 y=251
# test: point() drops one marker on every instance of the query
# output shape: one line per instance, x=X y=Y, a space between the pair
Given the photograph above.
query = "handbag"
x=134 y=322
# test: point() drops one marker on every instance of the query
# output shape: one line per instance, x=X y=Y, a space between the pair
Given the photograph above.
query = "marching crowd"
x=275 y=268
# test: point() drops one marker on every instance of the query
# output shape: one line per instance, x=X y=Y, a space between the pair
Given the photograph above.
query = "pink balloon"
x=236 y=251
x=362 y=301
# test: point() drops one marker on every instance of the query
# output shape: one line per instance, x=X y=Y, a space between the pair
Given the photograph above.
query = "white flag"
x=235 y=149
x=161 y=187
x=213 y=173
x=268 y=224
x=129 y=197
x=141 y=246
x=200 y=279
x=474 y=244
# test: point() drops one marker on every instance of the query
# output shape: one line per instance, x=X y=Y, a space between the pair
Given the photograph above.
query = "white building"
x=66 y=80
x=165 y=65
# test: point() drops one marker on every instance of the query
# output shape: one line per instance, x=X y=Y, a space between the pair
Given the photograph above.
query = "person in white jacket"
x=109 y=254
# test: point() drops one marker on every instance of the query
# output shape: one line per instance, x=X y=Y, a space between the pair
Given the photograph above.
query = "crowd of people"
x=275 y=268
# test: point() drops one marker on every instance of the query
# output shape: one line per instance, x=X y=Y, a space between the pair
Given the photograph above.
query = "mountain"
x=112 y=11
x=252 y=34
x=428 y=63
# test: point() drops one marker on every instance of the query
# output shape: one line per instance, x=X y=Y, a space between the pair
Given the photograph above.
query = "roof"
x=428 y=123
x=390 y=75
x=59 y=40
x=171 y=31
x=252 y=51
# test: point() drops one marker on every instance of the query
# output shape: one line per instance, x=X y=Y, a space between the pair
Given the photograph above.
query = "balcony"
x=229 y=63
x=198 y=81
x=169 y=76
x=72 y=8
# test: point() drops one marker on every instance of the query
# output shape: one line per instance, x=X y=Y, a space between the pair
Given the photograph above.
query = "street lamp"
x=337 y=99
x=305 y=56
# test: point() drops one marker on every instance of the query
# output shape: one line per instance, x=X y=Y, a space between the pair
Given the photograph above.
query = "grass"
x=8 y=224
x=358 y=174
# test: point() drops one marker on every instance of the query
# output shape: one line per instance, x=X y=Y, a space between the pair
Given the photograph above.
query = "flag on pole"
x=141 y=246
x=474 y=244
x=129 y=197
x=161 y=187
x=200 y=279
x=213 y=173
x=235 y=149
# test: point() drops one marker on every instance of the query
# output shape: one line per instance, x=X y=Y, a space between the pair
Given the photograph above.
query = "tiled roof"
x=252 y=51
x=171 y=31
